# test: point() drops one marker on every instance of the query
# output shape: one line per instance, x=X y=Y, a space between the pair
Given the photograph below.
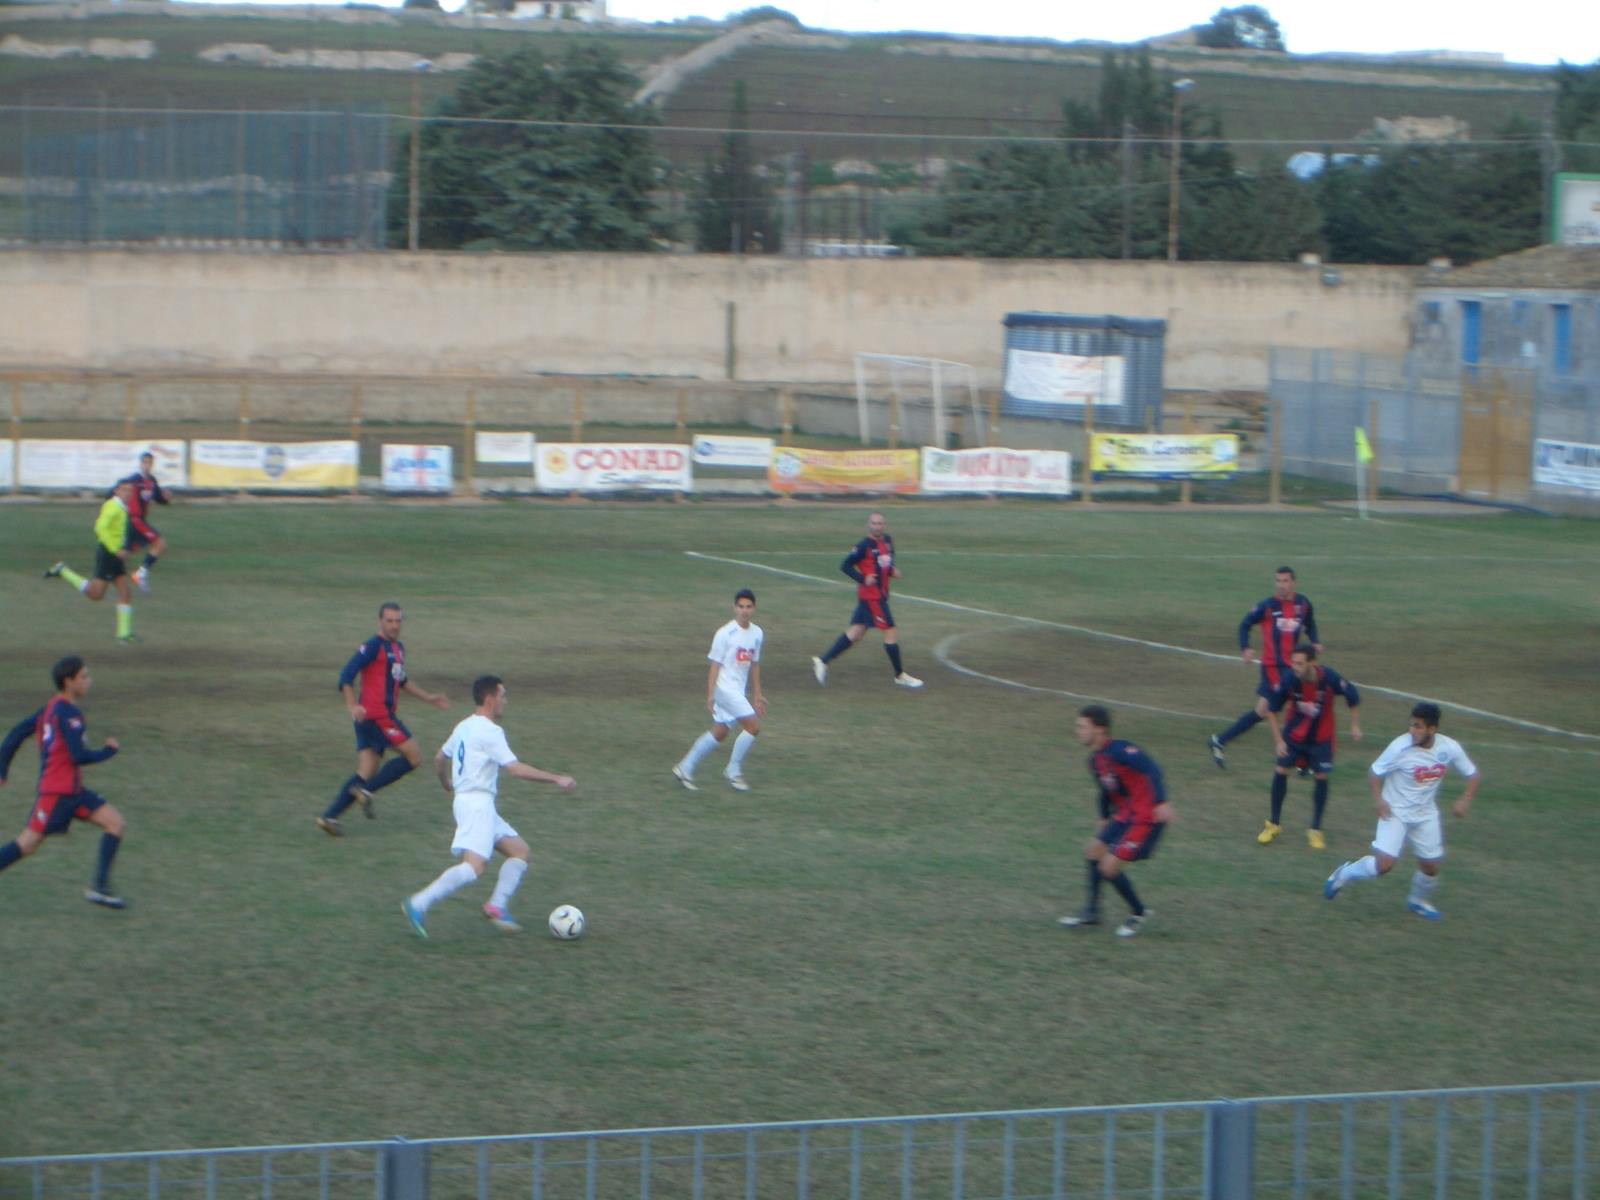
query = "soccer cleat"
x=907 y=681
x=1081 y=919
x=1330 y=889
x=818 y=667
x=1423 y=909
x=142 y=578
x=54 y=570
x=736 y=782
x=1132 y=926
x=684 y=778
x=129 y=639
x=365 y=798
x=330 y=826
x=1269 y=831
x=105 y=899
x=1218 y=755
x=414 y=917
x=1315 y=840
x=499 y=918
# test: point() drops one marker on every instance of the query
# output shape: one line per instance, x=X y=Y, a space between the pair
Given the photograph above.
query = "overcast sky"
x=1532 y=31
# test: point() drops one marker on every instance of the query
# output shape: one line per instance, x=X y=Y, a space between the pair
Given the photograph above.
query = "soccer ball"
x=567 y=923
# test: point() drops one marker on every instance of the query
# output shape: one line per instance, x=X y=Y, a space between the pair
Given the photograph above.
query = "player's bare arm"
x=756 y=696
x=1376 y=782
x=1465 y=802
x=437 y=699
x=1162 y=812
x=711 y=687
x=521 y=770
x=357 y=712
x=441 y=764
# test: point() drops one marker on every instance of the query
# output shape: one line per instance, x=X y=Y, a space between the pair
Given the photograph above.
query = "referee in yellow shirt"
x=110 y=560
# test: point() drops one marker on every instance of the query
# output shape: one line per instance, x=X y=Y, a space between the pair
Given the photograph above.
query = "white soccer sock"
x=453 y=880
x=1362 y=868
x=1422 y=885
x=511 y=873
x=703 y=745
x=741 y=747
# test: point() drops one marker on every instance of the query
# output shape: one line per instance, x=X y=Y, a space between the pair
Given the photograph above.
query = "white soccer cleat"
x=907 y=681
x=819 y=669
x=142 y=578
x=684 y=778
x=736 y=782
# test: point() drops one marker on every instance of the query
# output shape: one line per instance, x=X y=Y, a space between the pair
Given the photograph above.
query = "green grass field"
x=872 y=929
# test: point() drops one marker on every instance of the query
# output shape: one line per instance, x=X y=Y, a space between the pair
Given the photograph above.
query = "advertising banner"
x=83 y=463
x=1077 y=379
x=1165 y=455
x=274 y=466
x=8 y=462
x=714 y=450
x=513 y=448
x=612 y=467
x=1567 y=464
x=798 y=470
x=417 y=469
x=1025 y=472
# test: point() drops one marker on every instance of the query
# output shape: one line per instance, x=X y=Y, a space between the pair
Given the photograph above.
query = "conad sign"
x=612 y=467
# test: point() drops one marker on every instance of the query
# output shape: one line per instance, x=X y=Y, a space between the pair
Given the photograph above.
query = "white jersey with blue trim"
x=1411 y=774
x=477 y=749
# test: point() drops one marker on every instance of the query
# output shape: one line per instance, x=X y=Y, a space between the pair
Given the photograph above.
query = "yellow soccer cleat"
x=1268 y=832
x=1315 y=840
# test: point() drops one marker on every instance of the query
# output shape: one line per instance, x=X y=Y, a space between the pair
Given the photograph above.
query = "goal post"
x=907 y=400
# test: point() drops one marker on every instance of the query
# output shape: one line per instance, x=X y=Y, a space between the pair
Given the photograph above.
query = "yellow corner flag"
x=1363 y=447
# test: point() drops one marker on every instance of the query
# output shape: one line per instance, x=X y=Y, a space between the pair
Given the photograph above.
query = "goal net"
x=907 y=401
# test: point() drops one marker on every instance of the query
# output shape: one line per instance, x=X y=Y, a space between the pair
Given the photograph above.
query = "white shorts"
x=1426 y=837
x=478 y=825
x=727 y=709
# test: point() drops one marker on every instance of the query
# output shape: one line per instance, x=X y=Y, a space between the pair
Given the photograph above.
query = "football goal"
x=907 y=401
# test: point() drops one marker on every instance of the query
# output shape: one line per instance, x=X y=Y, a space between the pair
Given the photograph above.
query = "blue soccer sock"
x=9 y=853
x=892 y=649
x=150 y=560
x=838 y=648
x=394 y=769
x=344 y=799
x=110 y=843
x=1280 y=788
x=1094 y=886
x=1319 y=802
x=1125 y=890
x=1243 y=725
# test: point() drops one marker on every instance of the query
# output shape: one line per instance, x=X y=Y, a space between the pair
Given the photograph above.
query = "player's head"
x=71 y=675
x=1094 y=725
x=489 y=695
x=147 y=462
x=1303 y=660
x=1283 y=581
x=876 y=524
x=744 y=605
x=1424 y=723
x=390 y=618
x=123 y=491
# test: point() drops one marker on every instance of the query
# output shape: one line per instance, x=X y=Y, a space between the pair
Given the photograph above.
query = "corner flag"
x=1363 y=447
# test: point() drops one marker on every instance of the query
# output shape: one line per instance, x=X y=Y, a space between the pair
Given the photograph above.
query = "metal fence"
x=1533 y=1142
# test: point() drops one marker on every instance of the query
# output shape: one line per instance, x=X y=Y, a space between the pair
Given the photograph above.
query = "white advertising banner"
x=492 y=447
x=84 y=463
x=274 y=466
x=1567 y=464
x=1027 y=472
x=1577 y=202
x=714 y=450
x=417 y=469
x=8 y=462
x=1047 y=378
x=612 y=467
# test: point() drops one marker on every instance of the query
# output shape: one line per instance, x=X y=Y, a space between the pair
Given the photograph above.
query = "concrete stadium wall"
x=702 y=316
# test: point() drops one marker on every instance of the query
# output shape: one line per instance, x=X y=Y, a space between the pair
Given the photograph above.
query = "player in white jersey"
x=1405 y=785
x=735 y=670
x=469 y=766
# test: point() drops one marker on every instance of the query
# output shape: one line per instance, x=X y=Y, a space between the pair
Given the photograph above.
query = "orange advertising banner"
x=794 y=469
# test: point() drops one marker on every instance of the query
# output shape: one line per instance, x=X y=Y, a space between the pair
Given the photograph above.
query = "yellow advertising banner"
x=274 y=466
x=1165 y=455
x=794 y=469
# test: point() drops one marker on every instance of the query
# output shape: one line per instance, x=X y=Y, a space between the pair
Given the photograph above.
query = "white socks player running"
x=741 y=747
x=706 y=743
x=511 y=873
x=453 y=880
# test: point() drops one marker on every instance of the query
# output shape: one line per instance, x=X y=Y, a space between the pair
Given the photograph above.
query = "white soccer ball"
x=567 y=922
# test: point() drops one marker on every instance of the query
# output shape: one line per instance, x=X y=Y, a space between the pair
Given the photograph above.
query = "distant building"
x=560 y=10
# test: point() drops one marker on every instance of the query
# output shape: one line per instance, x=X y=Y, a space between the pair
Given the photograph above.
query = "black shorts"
x=1132 y=841
x=138 y=537
x=872 y=613
x=108 y=566
x=1316 y=755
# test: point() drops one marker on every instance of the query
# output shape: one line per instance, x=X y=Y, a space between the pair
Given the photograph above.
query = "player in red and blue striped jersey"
x=1306 y=697
x=1133 y=812
x=1285 y=620
x=372 y=682
x=871 y=564
x=146 y=491
x=58 y=727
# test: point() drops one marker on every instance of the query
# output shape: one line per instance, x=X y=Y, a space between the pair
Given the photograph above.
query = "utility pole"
x=1179 y=87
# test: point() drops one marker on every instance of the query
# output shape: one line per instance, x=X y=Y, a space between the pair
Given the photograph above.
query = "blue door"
x=1471 y=331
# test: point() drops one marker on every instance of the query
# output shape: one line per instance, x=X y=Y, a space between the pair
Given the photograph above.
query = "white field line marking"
x=1151 y=645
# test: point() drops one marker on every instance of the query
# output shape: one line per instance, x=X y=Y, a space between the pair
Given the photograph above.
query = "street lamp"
x=414 y=198
x=1179 y=87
